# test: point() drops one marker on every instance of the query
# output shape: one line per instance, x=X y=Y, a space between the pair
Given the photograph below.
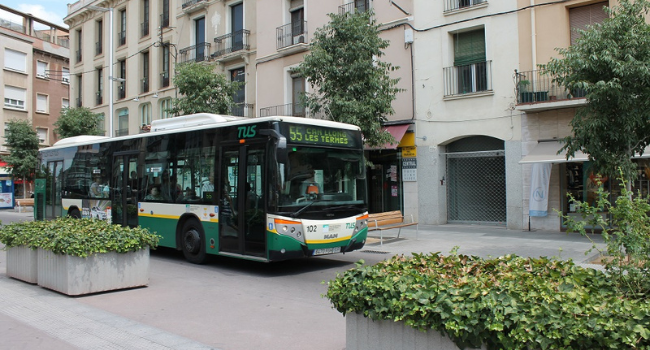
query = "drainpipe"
x=533 y=34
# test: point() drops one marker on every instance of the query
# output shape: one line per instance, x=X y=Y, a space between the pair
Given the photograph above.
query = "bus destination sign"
x=319 y=135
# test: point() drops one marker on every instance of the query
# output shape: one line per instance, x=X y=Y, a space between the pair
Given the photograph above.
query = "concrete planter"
x=362 y=333
x=72 y=275
x=22 y=263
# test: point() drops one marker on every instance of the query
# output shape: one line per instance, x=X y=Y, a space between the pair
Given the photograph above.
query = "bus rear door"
x=124 y=198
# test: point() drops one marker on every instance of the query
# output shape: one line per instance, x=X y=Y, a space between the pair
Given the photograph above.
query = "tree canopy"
x=77 y=121
x=202 y=90
x=611 y=63
x=22 y=141
x=351 y=84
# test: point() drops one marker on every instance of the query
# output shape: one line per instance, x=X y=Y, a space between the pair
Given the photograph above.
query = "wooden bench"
x=388 y=221
x=22 y=203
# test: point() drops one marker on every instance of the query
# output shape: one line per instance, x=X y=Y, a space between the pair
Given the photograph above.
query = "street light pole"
x=110 y=71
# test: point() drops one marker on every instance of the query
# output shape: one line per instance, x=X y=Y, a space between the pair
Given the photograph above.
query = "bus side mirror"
x=281 y=144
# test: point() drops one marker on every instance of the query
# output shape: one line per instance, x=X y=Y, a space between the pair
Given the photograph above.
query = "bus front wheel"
x=193 y=242
x=74 y=213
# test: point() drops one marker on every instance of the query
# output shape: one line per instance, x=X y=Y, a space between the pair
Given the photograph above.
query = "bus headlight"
x=290 y=228
x=362 y=223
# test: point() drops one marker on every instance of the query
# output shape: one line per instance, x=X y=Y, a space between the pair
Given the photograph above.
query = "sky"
x=49 y=10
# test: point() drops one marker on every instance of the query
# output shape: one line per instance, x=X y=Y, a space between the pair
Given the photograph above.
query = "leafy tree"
x=203 y=90
x=77 y=121
x=610 y=63
x=353 y=86
x=22 y=140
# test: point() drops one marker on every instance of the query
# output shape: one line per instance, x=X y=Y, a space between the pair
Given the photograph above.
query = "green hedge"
x=77 y=237
x=508 y=302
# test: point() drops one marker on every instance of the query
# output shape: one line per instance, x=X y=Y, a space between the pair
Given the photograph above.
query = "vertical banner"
x=539 y=185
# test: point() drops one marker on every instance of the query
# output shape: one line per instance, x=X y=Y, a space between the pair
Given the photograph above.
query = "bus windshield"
x=320 y=178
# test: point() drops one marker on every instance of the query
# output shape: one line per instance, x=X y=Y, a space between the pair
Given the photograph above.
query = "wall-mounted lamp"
x=155 y=95
x=423 y=138
x=136 y=99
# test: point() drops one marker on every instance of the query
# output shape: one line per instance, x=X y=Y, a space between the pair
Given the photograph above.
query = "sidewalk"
x=32 y=317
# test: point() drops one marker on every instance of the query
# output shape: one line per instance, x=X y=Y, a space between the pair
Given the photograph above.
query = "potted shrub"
x=508 y=302
x=525 y=96
x=81 y=256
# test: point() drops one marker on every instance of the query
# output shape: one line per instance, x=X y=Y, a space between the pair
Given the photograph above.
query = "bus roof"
x=192 y=122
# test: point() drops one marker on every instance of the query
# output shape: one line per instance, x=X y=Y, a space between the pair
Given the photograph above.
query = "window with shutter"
x=41 y=103
x=581 y=17
x=15 y=60
x=15 y=97
x=41 y=69
x=469 y=47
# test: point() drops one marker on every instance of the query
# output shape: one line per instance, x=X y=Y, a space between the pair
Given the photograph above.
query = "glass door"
x=242 y=218
x=53 y=208
x=125 y=205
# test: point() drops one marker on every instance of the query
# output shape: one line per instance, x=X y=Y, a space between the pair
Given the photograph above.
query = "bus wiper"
x=299 y=211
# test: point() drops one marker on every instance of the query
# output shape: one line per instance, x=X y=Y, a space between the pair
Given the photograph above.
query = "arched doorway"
x=476 y=178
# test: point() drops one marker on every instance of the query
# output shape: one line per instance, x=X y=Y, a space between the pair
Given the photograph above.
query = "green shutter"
x=469 y=47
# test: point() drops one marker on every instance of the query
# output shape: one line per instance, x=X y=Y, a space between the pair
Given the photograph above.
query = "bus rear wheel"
x=74 y=213
x=193 y=242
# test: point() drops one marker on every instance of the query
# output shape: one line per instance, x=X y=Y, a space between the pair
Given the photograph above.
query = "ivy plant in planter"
x=79 y=256
x=508 y=302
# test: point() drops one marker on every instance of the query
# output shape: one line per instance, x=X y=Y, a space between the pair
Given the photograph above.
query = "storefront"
x=6 y=187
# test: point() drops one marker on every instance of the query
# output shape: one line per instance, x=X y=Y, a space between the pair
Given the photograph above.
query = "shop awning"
x=547 y=152
x=397 y=131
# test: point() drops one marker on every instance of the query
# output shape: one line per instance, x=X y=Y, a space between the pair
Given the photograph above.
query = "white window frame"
x=145 y=114
x=13 y=99
x=42 y=135
x=41 y=69
x=65 y=103
x=13 y=60
x=65 y=75
x=42 y=105
x=165 y=103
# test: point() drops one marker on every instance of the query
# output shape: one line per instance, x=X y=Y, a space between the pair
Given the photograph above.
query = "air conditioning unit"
x=298 y=39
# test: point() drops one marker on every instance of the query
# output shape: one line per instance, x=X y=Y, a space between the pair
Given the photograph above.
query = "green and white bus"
x=263 y=189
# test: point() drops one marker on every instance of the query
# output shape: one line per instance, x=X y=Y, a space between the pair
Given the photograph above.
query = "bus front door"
x=124 y=198
x=241 y=215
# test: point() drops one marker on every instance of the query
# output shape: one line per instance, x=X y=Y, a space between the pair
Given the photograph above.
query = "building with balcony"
x=547 y=109
x=35 y=78
x=283 y=37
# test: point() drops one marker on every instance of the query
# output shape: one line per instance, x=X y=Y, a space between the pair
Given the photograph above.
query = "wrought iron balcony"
x=164 y=79
x=361 y=6
x=121 y=38
x=243 y=110
x=121 y=132
x=121 y=91
x=291 y=109
x=197 y=53
x=467 y=79
x=291 y=34
x=164 y=20
x=188 y=3
x=537 y=86
x=451 y=5
x=232 y=42
x=144 y=29
x=99 y=100
x=145 y=85
x=98 y=48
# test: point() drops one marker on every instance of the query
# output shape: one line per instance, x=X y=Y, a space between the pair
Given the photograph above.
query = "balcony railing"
x=467 y=79
x=232 y=42
x=243 y=110
x=121 y=132
x=144 y=29
x=164 y=80
x=351 y=6
x=291 y=34
x=121 y=91
x=121 y=38
x=188 y=3
x=99 y=100
x=451 y=5
x=197 y=53
x=98 y=48
x=291 y=109
x=537 y=86
x=145 y=85
x=164 y=20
